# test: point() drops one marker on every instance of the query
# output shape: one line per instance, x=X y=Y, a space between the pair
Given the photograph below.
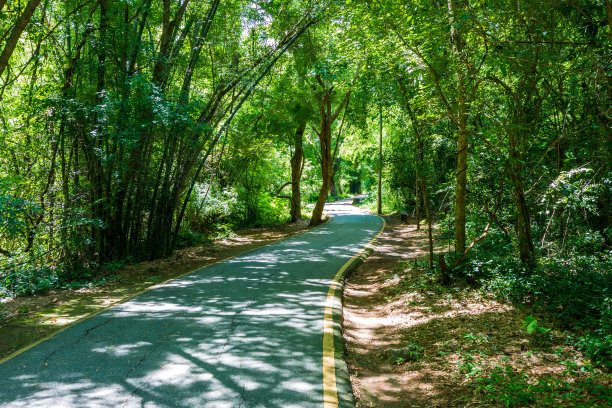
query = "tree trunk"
x=609 y=15
x=523 y=224
x=461 y=176
x=428 y=215
x=317 y=213
x=380 y=164
x=526 y=247
x=417 y=208
x=461 y=194
x=16 y=32
x=296 y=172
x=326 y=166
x=333 y=187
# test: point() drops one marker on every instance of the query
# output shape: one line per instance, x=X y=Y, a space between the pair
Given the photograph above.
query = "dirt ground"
x=28 y=319
x=414 y=343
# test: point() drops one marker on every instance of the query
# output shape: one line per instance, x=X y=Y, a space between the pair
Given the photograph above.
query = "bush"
x=574 y=286
x=208 y=208
x=27 y=280
x=577 y=292
x=188 y=239
x=271 y=210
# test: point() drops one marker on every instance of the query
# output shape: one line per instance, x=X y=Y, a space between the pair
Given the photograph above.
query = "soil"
x=27 y=319
x=412 y=342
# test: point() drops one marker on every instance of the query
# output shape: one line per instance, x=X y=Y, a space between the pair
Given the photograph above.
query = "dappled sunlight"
x=247 y=329
x=121 y=350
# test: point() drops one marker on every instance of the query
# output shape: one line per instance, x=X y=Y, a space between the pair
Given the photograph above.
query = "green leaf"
x=532 y=326
x=543 y=330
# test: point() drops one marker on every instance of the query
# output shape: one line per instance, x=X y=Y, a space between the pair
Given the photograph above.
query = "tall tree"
x=16 y=32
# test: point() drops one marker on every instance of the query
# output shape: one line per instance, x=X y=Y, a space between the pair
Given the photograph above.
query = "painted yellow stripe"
x=104 y=309
x=330 y=389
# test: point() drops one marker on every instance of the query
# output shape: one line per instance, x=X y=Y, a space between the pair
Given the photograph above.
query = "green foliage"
x=27 y=280
x=511 y=388
x=271 y=210
x=14 y=211
x=99 y=148
x=539 y=335
x=190 y=238
x=409 y=353
x=577 y=293
x=212 y=206
x=391 y=201
x=530 y=324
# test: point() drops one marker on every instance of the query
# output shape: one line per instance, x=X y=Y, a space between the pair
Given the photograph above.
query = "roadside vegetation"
x=413 y=340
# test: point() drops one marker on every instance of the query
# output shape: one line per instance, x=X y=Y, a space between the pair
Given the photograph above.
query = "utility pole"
x=380 y=162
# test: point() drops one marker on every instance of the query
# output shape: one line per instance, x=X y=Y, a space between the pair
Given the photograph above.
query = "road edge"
x=337 y=388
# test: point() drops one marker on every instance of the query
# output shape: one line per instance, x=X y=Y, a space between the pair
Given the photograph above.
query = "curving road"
x=246 y=332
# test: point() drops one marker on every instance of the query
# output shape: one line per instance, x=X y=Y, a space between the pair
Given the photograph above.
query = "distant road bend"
x=245 y=332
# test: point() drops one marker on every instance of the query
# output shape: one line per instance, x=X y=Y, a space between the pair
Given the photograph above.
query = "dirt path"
x=414 y=343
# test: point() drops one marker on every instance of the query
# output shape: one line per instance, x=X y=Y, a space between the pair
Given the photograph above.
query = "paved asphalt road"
x=246 y=332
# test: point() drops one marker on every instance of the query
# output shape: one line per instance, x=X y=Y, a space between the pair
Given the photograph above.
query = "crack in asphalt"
x=48 y=356
x=242 y=399
x=96 y=327
x=234 y=323
x=137 y=365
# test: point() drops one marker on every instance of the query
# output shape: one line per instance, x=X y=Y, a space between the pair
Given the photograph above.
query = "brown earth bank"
x=27 y=319
x=411 y=342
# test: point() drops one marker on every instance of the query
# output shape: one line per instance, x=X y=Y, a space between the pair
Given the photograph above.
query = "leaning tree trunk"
x=296 y=172
x=317 y=214
x=326 y=171
x=16 y=32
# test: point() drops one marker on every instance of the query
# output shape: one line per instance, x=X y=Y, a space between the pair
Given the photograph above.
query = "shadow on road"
x=245 y=332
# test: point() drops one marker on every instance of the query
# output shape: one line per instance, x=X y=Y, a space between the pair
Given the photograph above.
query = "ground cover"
x=412 y=342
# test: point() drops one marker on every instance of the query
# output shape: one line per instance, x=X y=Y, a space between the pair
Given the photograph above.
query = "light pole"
x=380 y=162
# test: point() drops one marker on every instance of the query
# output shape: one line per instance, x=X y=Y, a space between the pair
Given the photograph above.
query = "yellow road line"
x=104 y=309
x=330 y=390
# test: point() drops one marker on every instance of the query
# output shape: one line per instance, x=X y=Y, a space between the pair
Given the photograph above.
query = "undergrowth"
x=509 y=387
x=501 y=379
x=573 y=286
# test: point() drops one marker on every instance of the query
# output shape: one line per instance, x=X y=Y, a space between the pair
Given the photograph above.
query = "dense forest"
x=129 y=129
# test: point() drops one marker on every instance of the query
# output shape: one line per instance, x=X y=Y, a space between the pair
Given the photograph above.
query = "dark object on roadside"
x=404 y=216
x=444 y=275
x=356 y=200
x=412 y=352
